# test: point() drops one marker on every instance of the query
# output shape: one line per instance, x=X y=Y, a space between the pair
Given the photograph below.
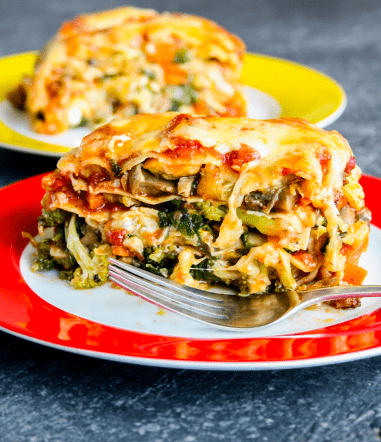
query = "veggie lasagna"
x=129 y=61
x=257 y=205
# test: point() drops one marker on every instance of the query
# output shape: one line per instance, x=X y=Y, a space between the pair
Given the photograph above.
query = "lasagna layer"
x=253 y=204
x=128 y=61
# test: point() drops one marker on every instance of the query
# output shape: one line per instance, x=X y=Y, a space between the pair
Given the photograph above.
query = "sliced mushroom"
x=90 y=238
x=286 y=200
x=281 y=199
x=142 y=182
x=184 y=186
x=364 y=215
x=261 y=202
x=348 y=215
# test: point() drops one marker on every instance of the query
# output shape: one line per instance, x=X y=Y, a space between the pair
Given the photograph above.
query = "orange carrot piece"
x=353 y=274
x=174 y=75
x=120 y=251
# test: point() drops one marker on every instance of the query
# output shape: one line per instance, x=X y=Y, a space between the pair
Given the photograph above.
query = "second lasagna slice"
x=129 y=61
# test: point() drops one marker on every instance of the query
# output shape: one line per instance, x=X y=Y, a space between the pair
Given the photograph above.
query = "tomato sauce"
x=345 y=249
x=324 y=159
x=350 y=165
x=116 y=237
x=242 y=156
x=306 y=258
x=187 y=150
x=87 y=202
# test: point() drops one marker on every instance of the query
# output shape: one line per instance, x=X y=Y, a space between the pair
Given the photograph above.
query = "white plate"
x=117 y=308
x=261 y=106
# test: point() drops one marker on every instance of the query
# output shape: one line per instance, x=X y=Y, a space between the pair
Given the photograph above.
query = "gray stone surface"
x=48 y=395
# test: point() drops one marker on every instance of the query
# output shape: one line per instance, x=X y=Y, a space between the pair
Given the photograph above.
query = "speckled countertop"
x=50 y=395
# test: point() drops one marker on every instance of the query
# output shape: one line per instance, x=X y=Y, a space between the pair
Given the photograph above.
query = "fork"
x=226 y=310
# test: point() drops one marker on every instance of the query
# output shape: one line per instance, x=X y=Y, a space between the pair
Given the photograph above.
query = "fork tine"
x=168 y=305
x=161 y=301
x=188 y=298
x=135 y=283
x=200 y=294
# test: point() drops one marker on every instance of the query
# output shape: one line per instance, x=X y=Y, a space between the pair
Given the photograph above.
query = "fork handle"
x=344 y=292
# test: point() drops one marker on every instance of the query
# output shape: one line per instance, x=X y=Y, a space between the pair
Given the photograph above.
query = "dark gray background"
x=48 y=395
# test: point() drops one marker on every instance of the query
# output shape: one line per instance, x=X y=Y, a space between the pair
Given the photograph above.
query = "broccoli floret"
x=52 y=218
x=59 y=238
x=67 y=275
x=44 y=260
x=93 y=270
x=211 y=212
x=159 y=261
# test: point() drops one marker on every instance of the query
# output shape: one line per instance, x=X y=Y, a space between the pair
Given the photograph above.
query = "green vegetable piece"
x=66 y=275
x=44 y=260
x=190 y=94
x=161 y=271
x=267 y=226
x=203 y=271
x=106 y=76
x=245 y=241
x=116 y=169
x=211 y=212
x=151 y=75
x=158 y=255
x=159 y=262
x=83 y=123
x=175 y=105
x=175 y=215
x=185 y=95
x=182 y=56
x=92 y=270
x=52 y=218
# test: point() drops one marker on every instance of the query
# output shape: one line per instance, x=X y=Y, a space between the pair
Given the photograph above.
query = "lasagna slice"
x=258 y=205
x=129 y=61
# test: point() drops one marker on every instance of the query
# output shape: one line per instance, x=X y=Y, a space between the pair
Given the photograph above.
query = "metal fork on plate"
x=225 y=310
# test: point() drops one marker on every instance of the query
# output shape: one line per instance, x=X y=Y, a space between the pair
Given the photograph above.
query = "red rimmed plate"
x=26 y=315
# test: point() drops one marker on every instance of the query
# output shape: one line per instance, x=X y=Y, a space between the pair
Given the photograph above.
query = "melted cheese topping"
x=307 y=171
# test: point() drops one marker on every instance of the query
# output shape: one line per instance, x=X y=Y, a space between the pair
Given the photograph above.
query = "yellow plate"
x=300 y=91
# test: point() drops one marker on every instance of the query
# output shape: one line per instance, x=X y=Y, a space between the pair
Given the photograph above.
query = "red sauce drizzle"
x=55 y=181
x=306 y=258
x=116 y=237
x=86 y=201
x=324 y=159
x=242 y=156
x=345 y=249
x=188 y=149
x=286 y=171
x=350 y=165
x=303 y=201
x=97 y=177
